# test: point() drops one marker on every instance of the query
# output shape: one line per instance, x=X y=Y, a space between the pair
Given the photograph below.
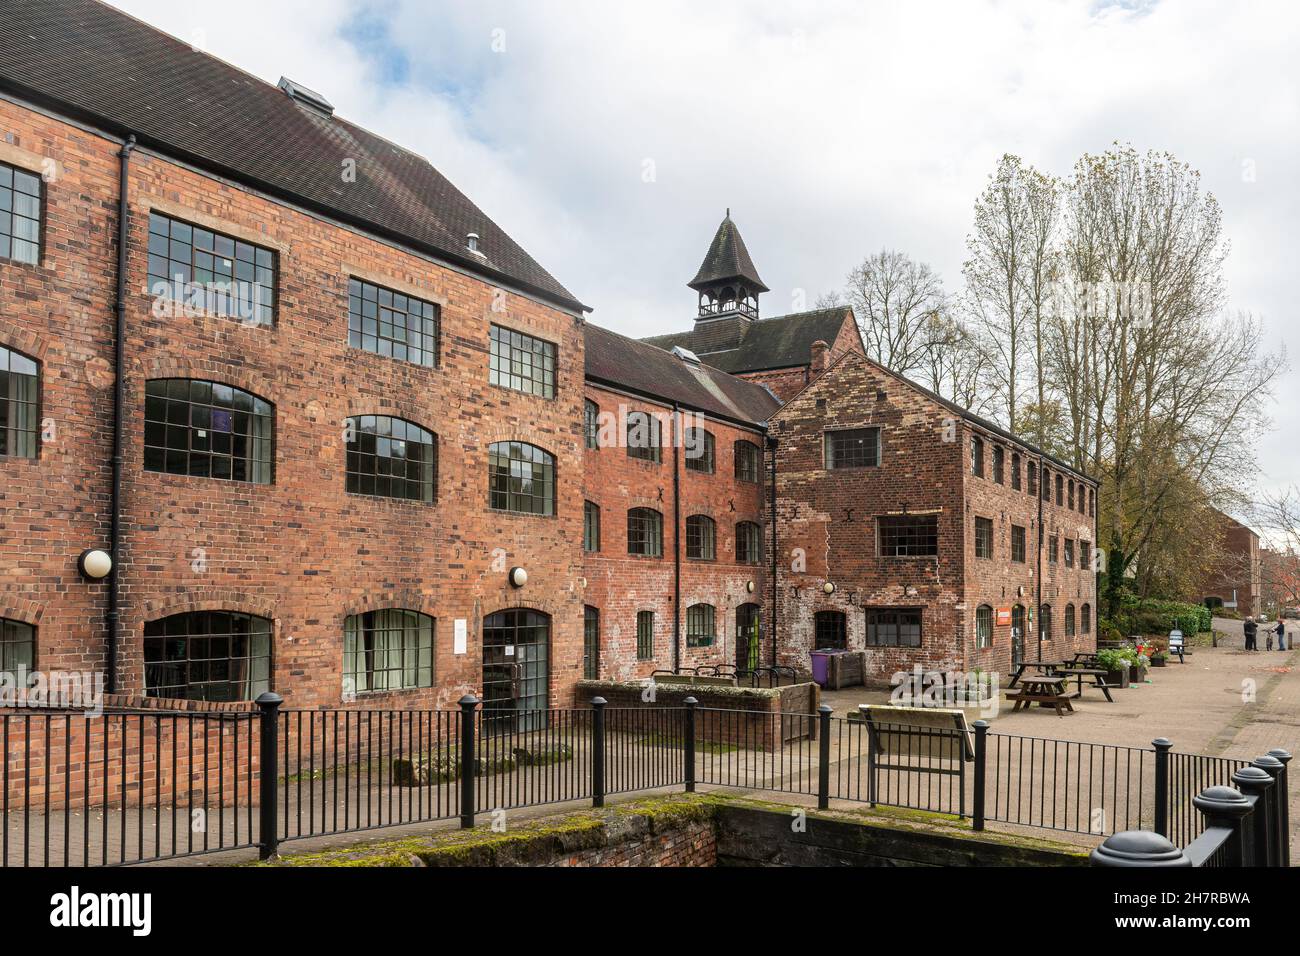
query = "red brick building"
x=923 y=535
x=1235 y=579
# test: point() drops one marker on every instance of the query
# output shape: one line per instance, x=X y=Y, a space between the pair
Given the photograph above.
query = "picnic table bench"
x=1038 y=689
x=1076 y=668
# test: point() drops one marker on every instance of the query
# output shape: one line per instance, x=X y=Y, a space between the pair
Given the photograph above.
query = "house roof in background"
x=784 y=341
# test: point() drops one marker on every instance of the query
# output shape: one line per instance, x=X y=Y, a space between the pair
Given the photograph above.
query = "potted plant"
x=1159 y=659
x=1116 y=664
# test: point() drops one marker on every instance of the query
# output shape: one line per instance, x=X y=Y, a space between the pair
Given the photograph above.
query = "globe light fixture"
x=94 y=564
x=518 y=577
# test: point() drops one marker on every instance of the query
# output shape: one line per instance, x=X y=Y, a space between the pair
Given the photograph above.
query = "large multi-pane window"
x=643 y=436
x=521 y=478
x=590 y=643
x=1017 y=544
x=389 y=649
x=217 y=273
x=207 y=655
x=699 y=450
x=590 y=526
x=701 y=538
x=984 y=626
x=830 y=631
x=748 y=461
x=208 y=430
x=390 y=458
x=392 y=323
x=19 y=404
x=645 y=635
x=17 y=646
x=983 y=537
x=908 y=536
x=645 y=533
x=701 y=629
x=854 y=448
x=20 y=215
x=522 y=362
x=591 y=423
x=893 y=627
x=749 y=543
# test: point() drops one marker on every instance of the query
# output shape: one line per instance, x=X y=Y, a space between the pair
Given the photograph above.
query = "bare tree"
x=895 y=299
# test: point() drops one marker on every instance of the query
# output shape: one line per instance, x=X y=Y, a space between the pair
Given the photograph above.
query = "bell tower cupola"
x=727 y=283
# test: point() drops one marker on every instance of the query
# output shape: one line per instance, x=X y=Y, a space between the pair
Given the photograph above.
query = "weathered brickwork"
x=827 y=529
x=300 y=551
x=619 y=585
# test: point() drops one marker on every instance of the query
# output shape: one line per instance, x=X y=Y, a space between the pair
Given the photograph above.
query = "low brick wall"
x=756 y=718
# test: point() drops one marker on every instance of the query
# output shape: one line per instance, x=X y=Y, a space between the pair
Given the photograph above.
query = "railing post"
x=1136 y=848
x=1254 y=782
x=598 y=751
x=1227 y=808
x=1274 y=768
x=269 y=703
x=1282 y=791
x=689 y=743
x=824 y=757
x=468 y=763
x=1163 y=746
x=981 y=773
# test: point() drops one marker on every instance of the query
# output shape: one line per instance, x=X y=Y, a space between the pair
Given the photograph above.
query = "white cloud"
x=830 y=129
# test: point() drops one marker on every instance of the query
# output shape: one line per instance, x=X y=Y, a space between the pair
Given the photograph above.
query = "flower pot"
x=1117 y=678
x=1158 y=662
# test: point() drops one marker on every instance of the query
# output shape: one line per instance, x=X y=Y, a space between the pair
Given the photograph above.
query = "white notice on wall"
x=460 y=637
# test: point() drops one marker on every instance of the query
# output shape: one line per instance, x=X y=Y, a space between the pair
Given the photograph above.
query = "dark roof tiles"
x=781 y=342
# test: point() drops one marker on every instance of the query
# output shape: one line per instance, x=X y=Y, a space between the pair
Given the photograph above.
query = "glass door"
x=516 y=670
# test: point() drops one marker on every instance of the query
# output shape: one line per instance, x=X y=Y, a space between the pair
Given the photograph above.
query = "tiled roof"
x=99 y=66
x=781 y=342
x=617 y=360
x=726 y=259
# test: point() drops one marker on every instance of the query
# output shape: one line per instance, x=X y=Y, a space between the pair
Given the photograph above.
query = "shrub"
x=1160 y=617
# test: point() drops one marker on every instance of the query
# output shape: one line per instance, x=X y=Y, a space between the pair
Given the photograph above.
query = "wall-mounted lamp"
x=828 y=588
x=518 y=577
x=94 y=564
x=910 y=590
x=749 y=586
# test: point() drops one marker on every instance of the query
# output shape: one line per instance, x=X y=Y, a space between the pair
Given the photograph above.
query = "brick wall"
x=827 y=530
x=300 y=551
x=692 y=844
x=619 y=585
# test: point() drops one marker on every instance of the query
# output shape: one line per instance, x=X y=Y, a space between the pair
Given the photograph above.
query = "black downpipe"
x=1042 y=540
x=771 y=444
x=119 y=402
x=677 y=541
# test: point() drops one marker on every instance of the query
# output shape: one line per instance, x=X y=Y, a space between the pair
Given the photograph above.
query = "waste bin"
x=821 y=666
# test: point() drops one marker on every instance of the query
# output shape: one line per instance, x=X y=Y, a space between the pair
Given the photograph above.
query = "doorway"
x=748 y=629
x=1017 y=634
x=516 y=670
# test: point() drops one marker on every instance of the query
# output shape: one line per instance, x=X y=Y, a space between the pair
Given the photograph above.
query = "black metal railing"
x=140 y=786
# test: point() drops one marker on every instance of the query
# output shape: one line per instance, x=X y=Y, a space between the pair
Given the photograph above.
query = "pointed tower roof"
x=727 y=259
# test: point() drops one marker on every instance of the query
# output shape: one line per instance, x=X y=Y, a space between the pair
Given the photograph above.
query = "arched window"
x=1045 y=622
x=830 y=631
x=1060 y=490
x=1069 y=620
x=977 y=456
x=590 y=526
x=1070 y=494
x=390 y=649
x=390 y=458
x=521 y=479
x=700 y=625
x=591 y=423
x=645 y=533
x=1032 y=484
x=1015 y=471
x=19 y=402
x=699 y=450
x=1047 y=484
x=1085 y=619
x=17 y=646
x=749 y=543
x=984 y=626
x=701 y=538
x=207 y=655
x=748 y=461
x=999 y=464
x=208 y=430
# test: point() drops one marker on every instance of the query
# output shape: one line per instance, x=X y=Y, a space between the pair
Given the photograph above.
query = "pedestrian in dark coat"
x=1252 y=630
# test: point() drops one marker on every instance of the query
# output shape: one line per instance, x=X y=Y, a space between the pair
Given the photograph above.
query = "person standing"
x=1251 y=629
x=1281 y=633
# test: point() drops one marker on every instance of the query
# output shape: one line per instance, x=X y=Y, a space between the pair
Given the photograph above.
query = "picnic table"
x=1077 y=667
x=1037 y=688
x=1047 y=668
x=1098 y=675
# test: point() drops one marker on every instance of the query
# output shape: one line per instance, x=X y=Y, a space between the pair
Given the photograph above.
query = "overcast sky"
x=609 y=138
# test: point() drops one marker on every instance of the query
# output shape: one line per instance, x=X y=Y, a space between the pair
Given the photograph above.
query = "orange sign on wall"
x=1004 y=617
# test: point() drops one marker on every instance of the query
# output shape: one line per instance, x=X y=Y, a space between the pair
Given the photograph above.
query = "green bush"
x=1160 y=617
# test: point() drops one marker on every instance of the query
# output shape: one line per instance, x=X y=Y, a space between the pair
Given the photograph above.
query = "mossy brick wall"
x=300 y=551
